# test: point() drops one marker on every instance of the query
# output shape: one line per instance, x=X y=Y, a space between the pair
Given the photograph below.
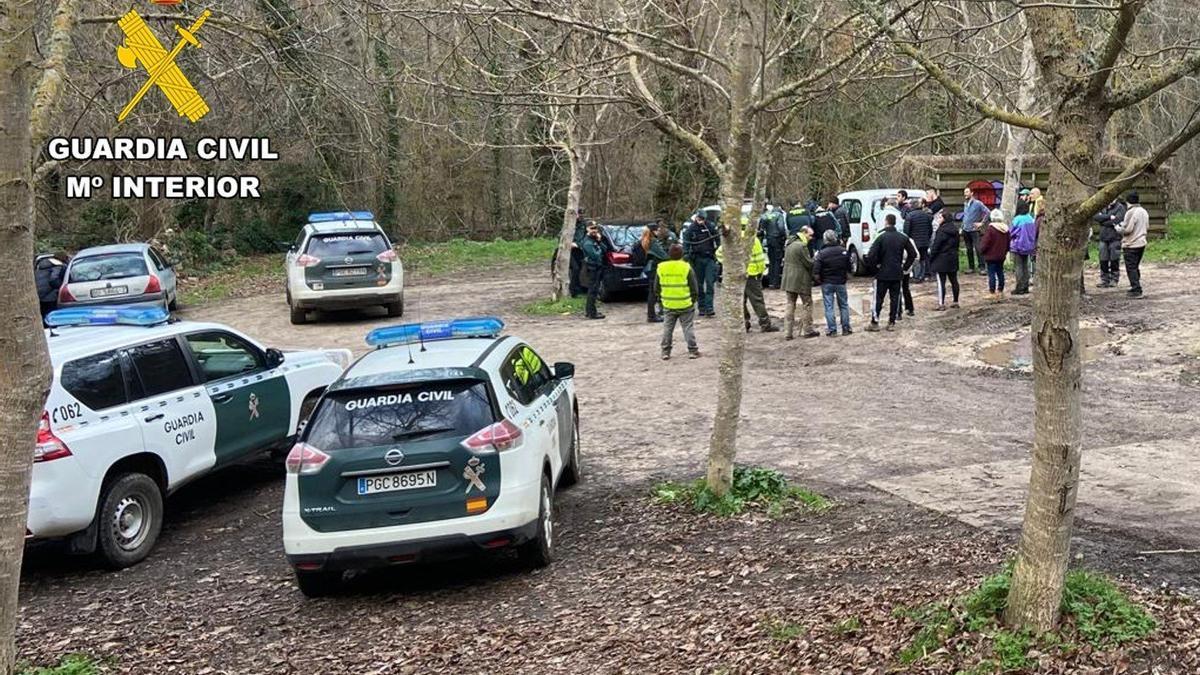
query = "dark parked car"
x=626 y=259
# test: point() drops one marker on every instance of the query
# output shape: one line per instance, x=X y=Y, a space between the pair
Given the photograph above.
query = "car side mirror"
x=285 y=246
x=564 y=371
x=274 y=358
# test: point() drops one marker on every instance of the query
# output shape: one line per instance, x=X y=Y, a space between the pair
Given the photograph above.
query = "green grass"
x=460 y=255
x=1182 y=242
x=753 y=488
x=224 y=282
x=564 y=307
x=1095 y=612
x=74 y=664
x=781 y=630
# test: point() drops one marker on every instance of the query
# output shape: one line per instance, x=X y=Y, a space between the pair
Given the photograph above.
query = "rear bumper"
x=618 y=278
x=353 y=299
x=144 y=300
x=431 y=549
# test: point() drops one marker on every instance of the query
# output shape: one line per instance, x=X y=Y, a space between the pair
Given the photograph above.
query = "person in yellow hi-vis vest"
x=675 y=286
x=754 y=288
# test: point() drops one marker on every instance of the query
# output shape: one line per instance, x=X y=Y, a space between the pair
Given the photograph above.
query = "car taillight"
x=503 y=435
x=387 y=256
x=619 y=257
x=866 y=232
x=153 y=286
x=49 y=447
x=306 y=260
x=64 y=294
x=305 y=460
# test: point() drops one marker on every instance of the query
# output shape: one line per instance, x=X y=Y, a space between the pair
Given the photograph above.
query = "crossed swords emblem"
x=142 y=47
x=472 y=473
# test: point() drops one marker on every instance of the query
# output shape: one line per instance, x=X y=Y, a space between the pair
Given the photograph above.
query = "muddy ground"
x=922 y=443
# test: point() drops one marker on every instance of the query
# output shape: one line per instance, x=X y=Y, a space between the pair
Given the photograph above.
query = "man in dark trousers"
x=700 y=241
x=576 y=264
x=773 y=229
x=918 y=225
x=1110 y=242
x=892 y=255
x=1133 y=230
x=595 y=251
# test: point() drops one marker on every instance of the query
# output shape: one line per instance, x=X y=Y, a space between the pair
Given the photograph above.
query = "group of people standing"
x=805 y=248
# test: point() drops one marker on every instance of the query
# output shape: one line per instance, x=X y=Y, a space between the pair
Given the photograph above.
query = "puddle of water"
x=1018 y=352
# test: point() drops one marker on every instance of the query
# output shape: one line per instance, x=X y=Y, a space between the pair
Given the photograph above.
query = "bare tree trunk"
x=24 y=368
x=1036 y=593
x=1018 y=137
x=736 y=244
x=560 y=271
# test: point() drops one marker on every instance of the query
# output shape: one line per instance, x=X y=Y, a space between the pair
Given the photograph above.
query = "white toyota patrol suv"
x=140 y=405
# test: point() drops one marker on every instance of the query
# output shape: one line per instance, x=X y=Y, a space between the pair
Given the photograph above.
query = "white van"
x=866 y=210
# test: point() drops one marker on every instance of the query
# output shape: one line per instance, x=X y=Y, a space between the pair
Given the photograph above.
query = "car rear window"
x=622 y=235
x=383 y=416
x=103 y=267
x=356 y=243
x=96 y=381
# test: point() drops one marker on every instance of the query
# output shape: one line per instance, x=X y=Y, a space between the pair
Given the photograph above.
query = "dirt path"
x=876 y=420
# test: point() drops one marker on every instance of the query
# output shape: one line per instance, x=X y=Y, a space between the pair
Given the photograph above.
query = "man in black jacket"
x=918 y=225
x=824 y=220
x=1110 y=242
x=831 y=268
x=933 y=201
x=892 y=255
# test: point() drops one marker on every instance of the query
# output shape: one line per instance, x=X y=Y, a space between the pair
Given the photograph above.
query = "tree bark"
x=25 y=366
x=560 y=270
x=1018 y=137
x=1036 y=593
x=736 y=242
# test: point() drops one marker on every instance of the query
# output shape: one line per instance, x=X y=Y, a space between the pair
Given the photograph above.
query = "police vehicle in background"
x=140 y=405
x=343 y=260
x=445 y=440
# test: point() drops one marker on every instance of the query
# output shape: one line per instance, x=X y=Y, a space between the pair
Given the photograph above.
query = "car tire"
x=604 y=294
x=318 y=584
x=299 y=315
x=573 y=471
x=395 y=309
x=856 y=265
x=130 y=519
x=539 y=551
x=174 y=303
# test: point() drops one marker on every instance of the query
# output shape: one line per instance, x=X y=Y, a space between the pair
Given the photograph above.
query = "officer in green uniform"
x=594 y=250
x=657 y=244
x=754 y=289
x=700 y=242
x=676 y=287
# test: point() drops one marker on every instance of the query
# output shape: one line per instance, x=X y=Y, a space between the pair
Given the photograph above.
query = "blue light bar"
x=336 y=216
x=108 y=316
x=432 y=331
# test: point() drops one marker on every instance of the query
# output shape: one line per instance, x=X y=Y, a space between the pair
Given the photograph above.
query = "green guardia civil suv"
x=431 y=450
x=343 y=260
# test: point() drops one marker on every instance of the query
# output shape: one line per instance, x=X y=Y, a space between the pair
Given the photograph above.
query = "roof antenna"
x=410 y=357
x=419 y=320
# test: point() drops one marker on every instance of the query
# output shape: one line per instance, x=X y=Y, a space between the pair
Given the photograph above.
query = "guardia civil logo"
x=142 y=49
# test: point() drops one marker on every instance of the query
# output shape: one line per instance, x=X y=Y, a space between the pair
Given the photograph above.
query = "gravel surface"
x=877 y=421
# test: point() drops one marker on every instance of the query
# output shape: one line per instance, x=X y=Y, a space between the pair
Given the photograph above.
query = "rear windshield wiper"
x=414 y=433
